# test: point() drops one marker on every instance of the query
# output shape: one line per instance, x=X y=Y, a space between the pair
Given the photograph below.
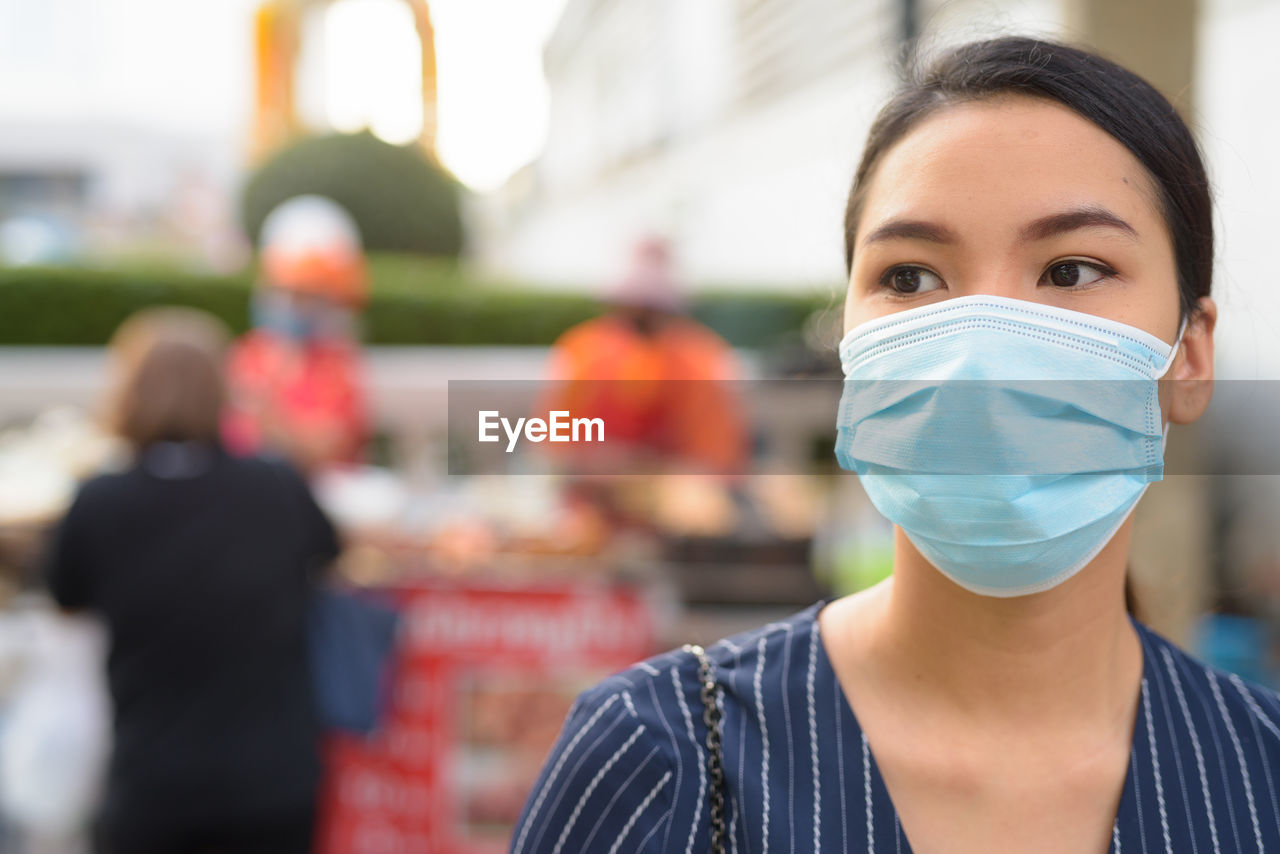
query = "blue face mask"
x=285 y=316
x=277 y=314
x=1009 y=440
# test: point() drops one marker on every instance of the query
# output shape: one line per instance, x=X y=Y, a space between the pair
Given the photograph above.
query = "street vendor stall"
x=484 y=678
x=515 y=593
x=511 y=602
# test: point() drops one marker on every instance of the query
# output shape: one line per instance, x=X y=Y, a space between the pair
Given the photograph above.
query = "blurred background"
x=519 y=175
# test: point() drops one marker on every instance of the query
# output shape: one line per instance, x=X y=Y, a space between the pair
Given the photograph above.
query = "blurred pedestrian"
x=202 y=565
x=660 y=380
x=295 y=378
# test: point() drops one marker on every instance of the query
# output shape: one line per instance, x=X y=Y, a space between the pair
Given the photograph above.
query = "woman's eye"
x=910 y=280
x=1073 y=274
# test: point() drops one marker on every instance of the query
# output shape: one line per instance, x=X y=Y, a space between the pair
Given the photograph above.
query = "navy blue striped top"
x=629 y=771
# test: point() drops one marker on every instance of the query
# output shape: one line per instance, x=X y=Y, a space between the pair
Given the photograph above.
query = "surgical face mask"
x=1009 y=440
x=300 y=320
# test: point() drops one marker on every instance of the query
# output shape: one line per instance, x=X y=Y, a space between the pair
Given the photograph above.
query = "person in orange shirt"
x=659 y=379
x=295 y=378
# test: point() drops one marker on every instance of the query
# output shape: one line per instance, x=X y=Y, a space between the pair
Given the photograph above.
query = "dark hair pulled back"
x=1115 y=99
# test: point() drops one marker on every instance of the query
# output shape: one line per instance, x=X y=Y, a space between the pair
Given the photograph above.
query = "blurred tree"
x=401 y=199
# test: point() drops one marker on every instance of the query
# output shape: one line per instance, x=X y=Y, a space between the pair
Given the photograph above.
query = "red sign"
x=482 y=684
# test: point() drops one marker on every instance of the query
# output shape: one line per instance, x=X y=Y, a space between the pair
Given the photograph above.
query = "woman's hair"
x=1113 y=98
x=168 y=383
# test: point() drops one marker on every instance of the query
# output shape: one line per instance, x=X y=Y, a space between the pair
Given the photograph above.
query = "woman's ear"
x=1191 y=375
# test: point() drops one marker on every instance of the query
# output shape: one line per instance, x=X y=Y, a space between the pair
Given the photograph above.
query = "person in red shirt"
x=295 y=378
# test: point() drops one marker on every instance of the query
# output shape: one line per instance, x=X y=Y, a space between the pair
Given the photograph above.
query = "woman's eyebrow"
x=1073 y=220
x=1041 y=229
x=911 y=229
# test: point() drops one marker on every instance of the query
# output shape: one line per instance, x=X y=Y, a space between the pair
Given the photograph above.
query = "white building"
x=1238 y=124
x=730 y=126
x=733 y=127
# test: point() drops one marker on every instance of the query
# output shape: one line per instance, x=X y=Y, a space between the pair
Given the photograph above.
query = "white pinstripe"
x=791 y=750
x=844 y=815
x=1272 y=698
x=1195 y=744
x=555 y=771
x=1194 y=688
x=666 y=817
x=626 y=698
x=591 y=787
x=648 y=668
x=1244 y=768
x=1137 y=796
x=644 y=805
x=1115 y=836
x=1155 y=766
x=1256 y=715
x=813 y=735
x=702 y=764
x=1149 y=654
x=764 y=737
x=1254 y=707
x=866 y=787
x=565 y=787
x=675 y=749
x=608 y=809
x=742 y=759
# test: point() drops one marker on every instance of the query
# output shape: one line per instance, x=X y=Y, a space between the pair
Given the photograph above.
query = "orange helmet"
x=311 y=245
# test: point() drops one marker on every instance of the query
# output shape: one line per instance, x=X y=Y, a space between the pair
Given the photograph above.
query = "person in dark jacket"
x=202 y=566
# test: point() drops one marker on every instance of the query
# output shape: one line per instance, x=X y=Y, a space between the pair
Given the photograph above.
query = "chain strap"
x=715 y=752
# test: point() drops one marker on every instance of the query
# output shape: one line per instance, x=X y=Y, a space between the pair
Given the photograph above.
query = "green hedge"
x=412 y=303
x=402 y=200
x=72 y=306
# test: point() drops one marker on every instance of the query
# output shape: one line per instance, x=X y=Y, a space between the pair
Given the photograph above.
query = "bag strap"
x=715 y=751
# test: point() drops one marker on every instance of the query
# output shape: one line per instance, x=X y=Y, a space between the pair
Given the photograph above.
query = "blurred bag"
x=57 y=736
x=352 y=648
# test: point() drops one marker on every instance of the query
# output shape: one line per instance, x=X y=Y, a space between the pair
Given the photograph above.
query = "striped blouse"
x=629 y=772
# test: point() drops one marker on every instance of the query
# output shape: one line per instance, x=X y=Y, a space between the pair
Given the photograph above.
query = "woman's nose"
x=997 y=283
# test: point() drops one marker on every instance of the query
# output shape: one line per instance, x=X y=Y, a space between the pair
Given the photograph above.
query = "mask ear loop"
x=1173 y=352
x=1177 y=343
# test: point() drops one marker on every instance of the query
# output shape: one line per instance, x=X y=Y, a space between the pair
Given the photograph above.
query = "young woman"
x=1029 y=240
x=202 y=565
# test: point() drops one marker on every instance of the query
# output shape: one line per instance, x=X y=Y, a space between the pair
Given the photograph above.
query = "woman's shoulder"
x=1206 y=697
x=661 y=687
x=662 y=695
x=629 y=769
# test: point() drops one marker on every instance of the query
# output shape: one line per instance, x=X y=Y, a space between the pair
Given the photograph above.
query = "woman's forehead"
x=1000 y=163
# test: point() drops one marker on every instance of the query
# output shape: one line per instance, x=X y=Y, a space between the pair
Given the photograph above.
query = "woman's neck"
x=1066 y=657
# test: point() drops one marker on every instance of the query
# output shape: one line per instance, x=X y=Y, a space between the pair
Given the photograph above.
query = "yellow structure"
x=277 y=44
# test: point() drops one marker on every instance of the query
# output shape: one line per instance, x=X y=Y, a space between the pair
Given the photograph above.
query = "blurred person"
x=1023 y=211
x=202 y=566
x=295 y=378
x=660 y=380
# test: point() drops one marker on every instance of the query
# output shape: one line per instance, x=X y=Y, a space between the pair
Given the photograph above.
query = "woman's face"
x=1014 y=197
